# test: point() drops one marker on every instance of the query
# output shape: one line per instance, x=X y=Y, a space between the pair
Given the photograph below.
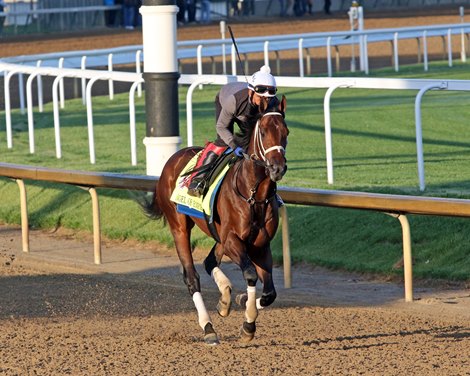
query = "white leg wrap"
x=202 y=313
x=258 y=304
x=221 y=279
x=251 y=312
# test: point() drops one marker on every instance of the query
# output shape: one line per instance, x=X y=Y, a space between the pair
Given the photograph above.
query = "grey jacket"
x=233 y=105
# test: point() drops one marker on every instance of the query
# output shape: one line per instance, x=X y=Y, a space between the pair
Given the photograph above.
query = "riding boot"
x=198 y=182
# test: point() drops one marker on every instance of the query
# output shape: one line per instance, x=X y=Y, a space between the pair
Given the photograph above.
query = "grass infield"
x=374 y=150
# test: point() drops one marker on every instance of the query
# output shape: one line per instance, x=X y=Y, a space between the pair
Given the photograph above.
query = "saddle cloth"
x=200 y=207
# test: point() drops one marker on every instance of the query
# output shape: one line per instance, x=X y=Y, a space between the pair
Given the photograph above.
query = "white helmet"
x=263 y=82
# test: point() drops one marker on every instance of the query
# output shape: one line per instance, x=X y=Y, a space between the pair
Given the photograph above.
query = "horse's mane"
x=243 y=137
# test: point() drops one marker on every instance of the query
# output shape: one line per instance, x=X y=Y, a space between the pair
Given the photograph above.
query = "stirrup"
x=196 y=188
x=195 y=192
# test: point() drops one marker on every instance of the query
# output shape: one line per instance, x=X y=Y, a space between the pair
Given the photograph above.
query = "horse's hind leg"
x=211 y=264
x=181 y=235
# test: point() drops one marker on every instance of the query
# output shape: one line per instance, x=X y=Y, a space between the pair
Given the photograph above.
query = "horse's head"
x=269 y=139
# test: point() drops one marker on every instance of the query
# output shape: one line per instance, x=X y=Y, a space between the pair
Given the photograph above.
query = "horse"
x=246 y=221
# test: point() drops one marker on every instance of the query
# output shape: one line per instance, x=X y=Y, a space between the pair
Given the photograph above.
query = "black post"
x=161 y=82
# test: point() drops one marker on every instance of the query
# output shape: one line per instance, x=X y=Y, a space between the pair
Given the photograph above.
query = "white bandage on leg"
x=221 y=279
x=258 y=304
x=251 y=312
x=202 y=313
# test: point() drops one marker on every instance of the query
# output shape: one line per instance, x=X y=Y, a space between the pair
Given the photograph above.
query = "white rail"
x=331 y=84
x=199 y=49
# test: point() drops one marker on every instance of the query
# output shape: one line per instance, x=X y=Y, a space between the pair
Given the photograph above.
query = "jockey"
x=236 y=102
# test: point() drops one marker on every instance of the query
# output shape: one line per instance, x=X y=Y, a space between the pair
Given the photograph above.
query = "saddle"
x=215 y=172
x=212 y=170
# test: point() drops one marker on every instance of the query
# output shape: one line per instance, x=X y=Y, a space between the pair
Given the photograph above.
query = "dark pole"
x=161 y=82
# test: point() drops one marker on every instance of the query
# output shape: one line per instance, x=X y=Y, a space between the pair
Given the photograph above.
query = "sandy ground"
x=62 y=315
x=132 y=315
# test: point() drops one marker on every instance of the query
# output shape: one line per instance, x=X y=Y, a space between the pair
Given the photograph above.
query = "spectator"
x=327 y=6
x=138 y=16
x=310 y=6
x=282 y=5
x=2 y=18
x=205 y=11
x=191 y=8
x=300 y=7
x=110 y=15
x=290 y=7
x=129 y=13
x=180 y=17
x=248 y=7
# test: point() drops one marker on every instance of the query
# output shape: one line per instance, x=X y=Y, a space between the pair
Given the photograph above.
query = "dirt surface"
x=132 y=315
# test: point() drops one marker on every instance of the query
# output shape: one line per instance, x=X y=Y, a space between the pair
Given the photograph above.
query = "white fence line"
x=60 y=74
x=212 y=48
x=331 y=84
x=199 y=49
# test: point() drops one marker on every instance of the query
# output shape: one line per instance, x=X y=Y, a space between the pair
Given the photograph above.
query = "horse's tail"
x=148 y=204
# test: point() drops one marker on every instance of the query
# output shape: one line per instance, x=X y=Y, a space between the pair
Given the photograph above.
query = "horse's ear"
x=283 y=105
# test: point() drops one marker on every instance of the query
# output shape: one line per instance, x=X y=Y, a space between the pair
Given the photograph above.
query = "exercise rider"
x=236 y=102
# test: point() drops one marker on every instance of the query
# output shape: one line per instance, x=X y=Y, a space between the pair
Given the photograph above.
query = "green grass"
x=373 y=150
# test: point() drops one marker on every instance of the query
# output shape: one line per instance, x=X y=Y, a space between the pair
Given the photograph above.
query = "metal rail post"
x=407 y=258
x=286 y=257
x=24 y=215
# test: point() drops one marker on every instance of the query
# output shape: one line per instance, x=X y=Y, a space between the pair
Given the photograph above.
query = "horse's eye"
x=262 y=133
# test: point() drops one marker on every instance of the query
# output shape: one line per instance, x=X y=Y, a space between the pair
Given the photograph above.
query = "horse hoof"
x=225 y=303
x=224 y=308
x=210 y=336
x=247 y=332
x=211 y=339
x=241 y=300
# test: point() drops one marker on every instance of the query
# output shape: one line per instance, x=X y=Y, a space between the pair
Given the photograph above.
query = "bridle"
x=258 y=157
x=260 y=150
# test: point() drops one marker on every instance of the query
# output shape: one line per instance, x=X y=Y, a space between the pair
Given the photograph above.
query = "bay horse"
x=246 y=221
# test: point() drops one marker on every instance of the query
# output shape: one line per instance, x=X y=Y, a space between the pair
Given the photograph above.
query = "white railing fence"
x=421 y=86
x=267 y=45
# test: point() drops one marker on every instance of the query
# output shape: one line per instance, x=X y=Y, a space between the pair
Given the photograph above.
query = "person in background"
x=191 y=8
x=129 y=13
x=138 y=16
x=110 y=15
x=249 y=7
x=300 y=7
x=326 y=6
x=205 y=11
x=180 y=16
x=310 y=6
x=236 y=102
x=283 y=8
x=2 y=18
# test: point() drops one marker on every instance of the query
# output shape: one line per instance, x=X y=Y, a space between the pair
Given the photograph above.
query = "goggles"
x=261 y=89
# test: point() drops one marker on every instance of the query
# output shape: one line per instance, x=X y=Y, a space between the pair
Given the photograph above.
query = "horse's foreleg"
x=192 y=281
x=264 y=266
x=237 y=253
x=211 y=264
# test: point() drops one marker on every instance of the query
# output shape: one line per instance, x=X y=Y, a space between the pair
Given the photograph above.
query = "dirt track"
x=133 y=316
x=61 y=317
